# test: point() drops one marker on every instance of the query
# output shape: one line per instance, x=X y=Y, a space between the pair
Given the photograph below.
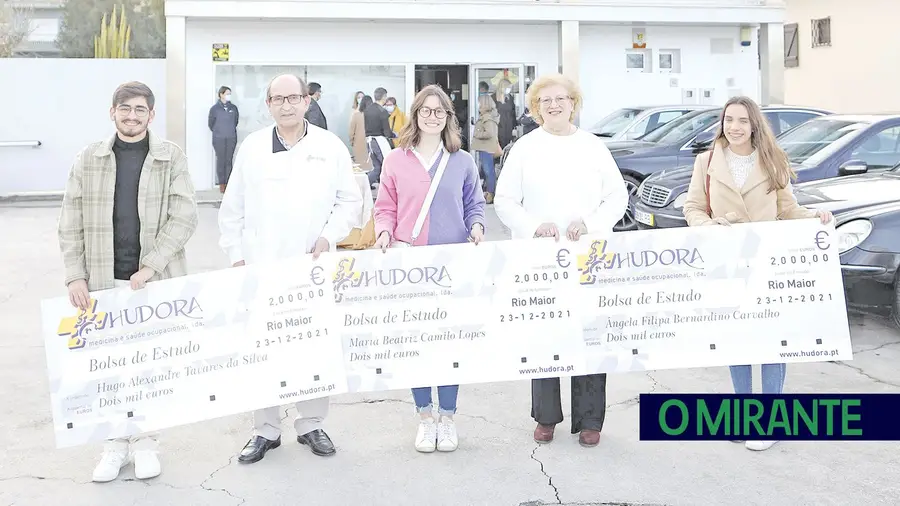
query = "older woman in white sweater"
x=560 y=179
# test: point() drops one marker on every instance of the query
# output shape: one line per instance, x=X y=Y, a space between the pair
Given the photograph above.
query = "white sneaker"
x=447 y=437
x=426 y=436
x=146 y=464
x=112 y=460
x=759 y=446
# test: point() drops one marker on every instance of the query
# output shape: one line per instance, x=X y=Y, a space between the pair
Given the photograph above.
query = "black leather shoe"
x=318 y=442
x=256 y=449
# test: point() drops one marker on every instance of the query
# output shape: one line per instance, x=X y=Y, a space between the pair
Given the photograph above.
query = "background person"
x=506 y=107
x=105 y=242
x=745 y=178
x=560 y=179
x=397 y=119
x=486 y=144
x=359 y=148
x=293 y=193
x=378 y=133
x=223 y=122
x=314 y=114
x=430 y=143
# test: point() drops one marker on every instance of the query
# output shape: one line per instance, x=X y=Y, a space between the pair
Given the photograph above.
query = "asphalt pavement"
x=497 y=463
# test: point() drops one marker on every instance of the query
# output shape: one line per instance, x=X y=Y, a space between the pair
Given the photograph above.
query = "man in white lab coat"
x=291 y=192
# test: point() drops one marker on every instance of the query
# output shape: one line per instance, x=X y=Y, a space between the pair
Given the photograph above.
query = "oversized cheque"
x=210 y=345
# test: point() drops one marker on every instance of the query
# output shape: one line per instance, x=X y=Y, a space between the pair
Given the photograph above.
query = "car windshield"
x=679 y=129
x=815 y=140
x=615 y=122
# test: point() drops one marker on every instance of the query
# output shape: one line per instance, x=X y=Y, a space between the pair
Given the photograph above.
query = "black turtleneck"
x=130 y=158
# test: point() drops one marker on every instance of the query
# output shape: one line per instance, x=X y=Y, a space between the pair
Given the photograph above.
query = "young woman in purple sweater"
x=429 y=152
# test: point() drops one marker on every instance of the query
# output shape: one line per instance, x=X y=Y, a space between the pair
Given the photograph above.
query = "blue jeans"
x=487 y=164
x=772 y=378
x=446 y=399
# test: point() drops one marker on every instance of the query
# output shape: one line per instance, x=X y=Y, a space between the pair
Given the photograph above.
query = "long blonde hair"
x=410 y=135
x=772 y=158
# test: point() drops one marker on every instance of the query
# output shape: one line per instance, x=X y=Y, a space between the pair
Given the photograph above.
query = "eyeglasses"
x=292 y=99
x=139 y=111
x=546 y=101
x=428 y=111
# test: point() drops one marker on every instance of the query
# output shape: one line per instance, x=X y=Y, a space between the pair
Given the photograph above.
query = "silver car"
x=632 y=122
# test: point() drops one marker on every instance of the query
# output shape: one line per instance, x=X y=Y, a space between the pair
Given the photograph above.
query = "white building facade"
x=623 y=53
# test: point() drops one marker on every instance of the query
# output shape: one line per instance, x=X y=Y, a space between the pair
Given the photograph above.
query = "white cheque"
x=231 y=341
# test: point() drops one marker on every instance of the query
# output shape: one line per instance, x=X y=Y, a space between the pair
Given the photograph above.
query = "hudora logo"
x=346 y=277
x=600 y=259
x=78 y=327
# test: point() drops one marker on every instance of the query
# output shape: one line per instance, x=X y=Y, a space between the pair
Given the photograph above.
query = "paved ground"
x=497 y=463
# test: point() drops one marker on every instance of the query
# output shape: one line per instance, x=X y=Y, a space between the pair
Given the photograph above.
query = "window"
x=652 y=122
x=813 y=141
x=615 y=122
x=339 y=85
x=791 y=47
x=880 y=150
x=788 y=120
x=821 y=32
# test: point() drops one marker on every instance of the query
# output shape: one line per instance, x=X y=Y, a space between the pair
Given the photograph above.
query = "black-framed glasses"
x=291 y=99
x=139 y=111
x=425 y=112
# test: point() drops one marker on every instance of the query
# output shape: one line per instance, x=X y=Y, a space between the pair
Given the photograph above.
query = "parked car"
x=679 y=142
x=633 y=122
x=866 y=208
x=822 y=148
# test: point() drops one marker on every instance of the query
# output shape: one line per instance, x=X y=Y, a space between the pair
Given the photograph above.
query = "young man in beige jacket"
x=127 y=214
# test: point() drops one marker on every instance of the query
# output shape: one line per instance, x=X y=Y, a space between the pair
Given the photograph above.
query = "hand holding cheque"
x=231 y=341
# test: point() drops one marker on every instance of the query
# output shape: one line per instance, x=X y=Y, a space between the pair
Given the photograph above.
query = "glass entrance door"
x=507 y=77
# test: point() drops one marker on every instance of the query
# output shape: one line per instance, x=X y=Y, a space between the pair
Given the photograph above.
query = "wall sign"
x=220 y=52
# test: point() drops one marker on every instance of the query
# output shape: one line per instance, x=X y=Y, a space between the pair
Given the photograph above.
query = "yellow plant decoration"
x=114 y=37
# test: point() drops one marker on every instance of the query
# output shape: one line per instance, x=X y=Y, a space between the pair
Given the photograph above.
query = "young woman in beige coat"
x=745 y=178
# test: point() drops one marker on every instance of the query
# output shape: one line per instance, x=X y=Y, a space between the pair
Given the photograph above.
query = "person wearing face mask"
x=223 y=121
x=397 y=119
x=506 y=107
x=744 y=178
x=561 y=180
x=430 y=194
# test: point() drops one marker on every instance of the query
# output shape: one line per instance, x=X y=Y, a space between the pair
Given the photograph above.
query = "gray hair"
x=303 y=86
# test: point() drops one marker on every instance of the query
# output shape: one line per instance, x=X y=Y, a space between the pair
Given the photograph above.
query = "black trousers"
x=224 y=148
x=588 y=402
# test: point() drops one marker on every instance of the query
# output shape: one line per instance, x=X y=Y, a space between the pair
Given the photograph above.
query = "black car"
x=826 y=147
x=678 y=142
x=866 y=208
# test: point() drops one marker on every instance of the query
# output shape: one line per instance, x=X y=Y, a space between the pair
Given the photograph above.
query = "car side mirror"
x=703 y=140
x=851 y=167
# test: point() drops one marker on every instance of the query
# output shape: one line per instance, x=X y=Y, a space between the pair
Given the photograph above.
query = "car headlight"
x=852 y=233
x=679 y=201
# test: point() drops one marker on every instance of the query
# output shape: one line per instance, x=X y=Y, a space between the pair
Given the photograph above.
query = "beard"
x=131 y=130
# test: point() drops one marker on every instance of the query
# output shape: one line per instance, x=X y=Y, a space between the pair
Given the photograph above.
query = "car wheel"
x=627 y=222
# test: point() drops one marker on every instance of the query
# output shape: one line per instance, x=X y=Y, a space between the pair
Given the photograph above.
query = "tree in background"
x=81 y=24
x=15 y=27
x=114 y=37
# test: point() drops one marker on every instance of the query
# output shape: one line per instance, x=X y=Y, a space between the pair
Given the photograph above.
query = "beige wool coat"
x=166 y=207
x=359 y=149
x=751 y=203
